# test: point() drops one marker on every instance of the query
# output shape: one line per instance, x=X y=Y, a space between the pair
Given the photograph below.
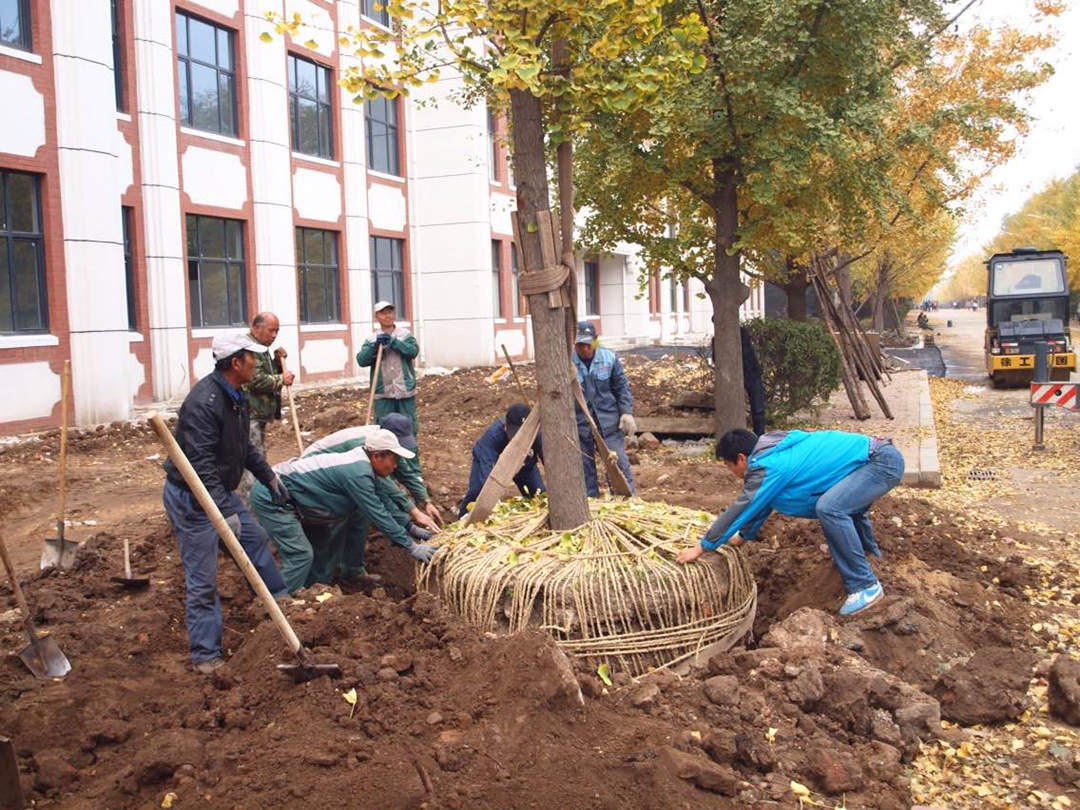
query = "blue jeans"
x=615 y=442
x=198 y=541
x=842 y=512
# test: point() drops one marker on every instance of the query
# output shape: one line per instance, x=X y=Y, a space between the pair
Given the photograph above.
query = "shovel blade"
x=307 y=672
x=44 y=658
x=58 y=554
x=134 y=583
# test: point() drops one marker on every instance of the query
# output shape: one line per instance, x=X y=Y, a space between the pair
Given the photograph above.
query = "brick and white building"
x=165 y=174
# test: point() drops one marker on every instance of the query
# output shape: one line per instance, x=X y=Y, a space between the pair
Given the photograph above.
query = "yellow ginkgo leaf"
x=350 y=698
x=604 y=673
x=168 y=800
x=322 y=597
x=800 y=789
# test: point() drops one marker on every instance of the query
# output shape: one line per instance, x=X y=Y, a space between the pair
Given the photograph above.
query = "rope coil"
x=545 y=280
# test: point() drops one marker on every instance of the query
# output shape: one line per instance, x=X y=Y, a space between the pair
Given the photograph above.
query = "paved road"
x=962 y=343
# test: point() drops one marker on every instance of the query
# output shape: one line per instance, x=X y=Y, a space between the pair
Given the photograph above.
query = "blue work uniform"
x=486 y=452
x=607 y=393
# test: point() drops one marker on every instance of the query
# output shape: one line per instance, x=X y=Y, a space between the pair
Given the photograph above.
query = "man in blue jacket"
x=486 y=452
x=607 y=393
x=830 y=475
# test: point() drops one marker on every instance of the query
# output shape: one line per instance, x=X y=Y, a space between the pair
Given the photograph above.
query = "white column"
x=90 y=209
x=165 y=274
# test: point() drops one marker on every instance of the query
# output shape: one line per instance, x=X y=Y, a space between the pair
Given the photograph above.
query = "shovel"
x=305 y=669
x=374 y=383
x=292 y=411
x=127 y=580
x=42 y=656
x=58 y=553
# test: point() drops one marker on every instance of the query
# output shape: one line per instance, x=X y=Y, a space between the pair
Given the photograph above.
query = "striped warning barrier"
x=1061 y=394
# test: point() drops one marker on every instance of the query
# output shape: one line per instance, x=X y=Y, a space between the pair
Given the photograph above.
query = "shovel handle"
x=198 y=489
x=292 y=411
x=127 y=559
x=20 y=599
x=65 y=393
x=374 y=383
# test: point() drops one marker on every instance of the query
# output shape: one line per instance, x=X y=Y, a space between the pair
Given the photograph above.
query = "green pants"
x=295 y=550
x=406 y=406
x=340 y=549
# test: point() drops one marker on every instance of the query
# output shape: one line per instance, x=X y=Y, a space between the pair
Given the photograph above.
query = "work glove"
x=627 y=424
x=418 y=532
x=383 y=339
x=422 y=552
x=278 y=494
x=233 y=522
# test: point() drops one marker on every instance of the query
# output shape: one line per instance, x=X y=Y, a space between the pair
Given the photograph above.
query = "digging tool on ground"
x=11 y=796
x=305 y=669
x=374 y=383
x=127 y=580
x=616 y=480
x=42 y=656
x=58 y=553
x=292 y=412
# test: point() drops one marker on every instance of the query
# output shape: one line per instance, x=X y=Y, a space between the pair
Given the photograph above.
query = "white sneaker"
x=861 y=600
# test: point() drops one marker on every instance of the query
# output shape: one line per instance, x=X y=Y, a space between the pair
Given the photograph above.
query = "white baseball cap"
x=381 y=305
x=383 y=439
x=229 y=344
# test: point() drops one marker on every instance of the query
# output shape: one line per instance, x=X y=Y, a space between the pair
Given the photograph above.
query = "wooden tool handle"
x=20 y=599
x=374 y=383
x=127 y=559
x=65 y=391
x=198 y=489
x=510 y=363
x=292 y=411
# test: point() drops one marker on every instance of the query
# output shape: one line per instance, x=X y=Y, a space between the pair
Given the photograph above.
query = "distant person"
x=827 y=474
x=489 y=447
x=264 y=390
x=607 y=394
x=395 y=390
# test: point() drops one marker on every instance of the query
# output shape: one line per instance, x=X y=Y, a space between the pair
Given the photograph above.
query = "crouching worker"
x=830 y=475
x=213 y=430
x=329 y=489
x=489 y=447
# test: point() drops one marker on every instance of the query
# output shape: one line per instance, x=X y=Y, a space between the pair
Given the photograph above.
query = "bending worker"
x=607 y=393
x=489 y=447
x=827 y=474
x=333 y=488
x=213 y=430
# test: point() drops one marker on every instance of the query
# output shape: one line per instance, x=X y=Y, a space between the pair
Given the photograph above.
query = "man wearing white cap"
x=335 y=488
x=395 y=390
x=213 y=430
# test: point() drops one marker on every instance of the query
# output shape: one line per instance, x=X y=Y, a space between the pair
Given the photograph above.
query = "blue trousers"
x=842 y=512
x=198 y=541
x=615 y=442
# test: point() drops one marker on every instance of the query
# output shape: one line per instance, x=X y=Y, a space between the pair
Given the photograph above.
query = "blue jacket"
x=606 y=391
x=788 y=471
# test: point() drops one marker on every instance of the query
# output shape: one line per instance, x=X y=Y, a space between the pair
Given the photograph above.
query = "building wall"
x=451 y=206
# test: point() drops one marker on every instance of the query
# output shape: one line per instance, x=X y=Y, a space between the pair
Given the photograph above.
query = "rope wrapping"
x=545 y=280
x=608 y=592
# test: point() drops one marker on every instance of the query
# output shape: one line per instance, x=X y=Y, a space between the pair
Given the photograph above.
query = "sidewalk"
x=912 y=426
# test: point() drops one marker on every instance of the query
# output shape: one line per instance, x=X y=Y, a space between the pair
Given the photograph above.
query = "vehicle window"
x=1028 y=277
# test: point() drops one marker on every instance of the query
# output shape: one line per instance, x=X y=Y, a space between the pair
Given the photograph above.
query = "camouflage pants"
x=257 y=436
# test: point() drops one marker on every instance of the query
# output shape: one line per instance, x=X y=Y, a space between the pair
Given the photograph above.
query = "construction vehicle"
x=1027 y=302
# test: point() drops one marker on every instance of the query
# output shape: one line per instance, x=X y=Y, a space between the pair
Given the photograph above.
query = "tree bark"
x=727 y=292
x=563 y=470
x=795 y=289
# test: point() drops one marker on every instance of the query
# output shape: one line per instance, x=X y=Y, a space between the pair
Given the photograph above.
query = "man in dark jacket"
x=486 y=452
x=213 y=432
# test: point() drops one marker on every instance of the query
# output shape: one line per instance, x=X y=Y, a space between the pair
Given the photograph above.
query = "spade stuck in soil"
x=42 y=655
x=127 y=580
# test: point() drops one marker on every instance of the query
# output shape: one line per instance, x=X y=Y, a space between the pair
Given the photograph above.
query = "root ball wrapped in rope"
x=609 y=591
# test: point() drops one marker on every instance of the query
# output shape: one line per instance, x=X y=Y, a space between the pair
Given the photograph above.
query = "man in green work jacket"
x=331 y=489
x=264 y=390
x=395 y=390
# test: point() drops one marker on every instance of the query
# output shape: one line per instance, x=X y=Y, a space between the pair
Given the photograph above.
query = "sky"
x=1052 y=147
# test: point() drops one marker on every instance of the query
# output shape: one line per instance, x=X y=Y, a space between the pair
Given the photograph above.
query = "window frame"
x=127 y=225
x=518 y=298
x=26 y=31
x=376 y=270
x=10 y=238
x=380 y=17
x=229 y=262
x=326 y=105
x=496 y=279
x=392 y=136
x=184 y=63
x=493 y=137
x=304 y=268
x=592 y=287
x=673 y=293
x=118 y=55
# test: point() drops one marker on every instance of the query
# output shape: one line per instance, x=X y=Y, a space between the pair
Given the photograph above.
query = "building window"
x=496 y=278
x=376 y=10
x=686 y=296
x=311 y=108
x=22 y=255
x=388 y=271
x=381 y=122
x=317 y=276
x=215 y=249
x=126 y=218
x=516 y=293
x=592 y=288
x=493 y=139
x=15 y=23
x=207 y=75
x=673 y=289
x=117 y=55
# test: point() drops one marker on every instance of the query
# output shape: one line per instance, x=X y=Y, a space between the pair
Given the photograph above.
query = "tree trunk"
x=727 y=291
x=795 y=289
x=563 y=471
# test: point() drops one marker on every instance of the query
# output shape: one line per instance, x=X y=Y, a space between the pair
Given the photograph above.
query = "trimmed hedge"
x=800 y=365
